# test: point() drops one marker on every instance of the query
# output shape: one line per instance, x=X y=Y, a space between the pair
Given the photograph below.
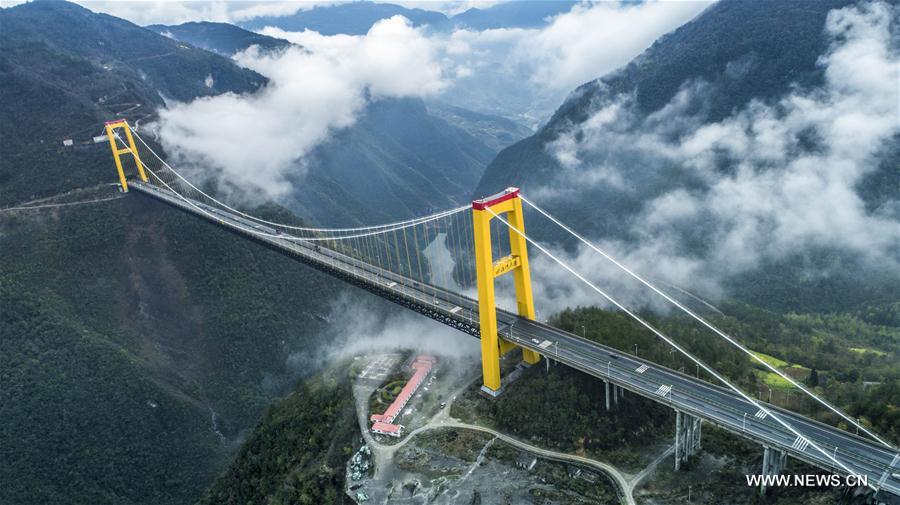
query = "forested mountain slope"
x=398 y=158
x=223 y=38
x=137 y=344
x=396 y=161
x=66 y=70
x=709 y=156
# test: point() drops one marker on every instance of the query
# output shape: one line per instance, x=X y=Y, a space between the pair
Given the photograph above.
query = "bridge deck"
x=711 y=403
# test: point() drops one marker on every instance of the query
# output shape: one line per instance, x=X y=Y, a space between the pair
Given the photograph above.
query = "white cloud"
x=170 y=12
x=365 y=327
x=260 y=140
x=596 y=38
x=526 y=73
x=794 y=167
x=393 y=59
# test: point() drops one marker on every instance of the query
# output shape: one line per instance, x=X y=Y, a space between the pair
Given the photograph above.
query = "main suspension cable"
x=289 y=237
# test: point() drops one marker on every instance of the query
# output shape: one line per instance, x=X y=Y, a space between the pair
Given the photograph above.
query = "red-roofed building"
x=384 y=423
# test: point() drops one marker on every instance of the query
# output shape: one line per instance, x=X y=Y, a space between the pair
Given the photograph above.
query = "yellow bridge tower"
x=111 y=127
x=492 y=346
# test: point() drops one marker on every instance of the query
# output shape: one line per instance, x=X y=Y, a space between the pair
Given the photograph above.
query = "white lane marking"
x=641 y=369
x=888 y=471
x=761 y=414
x=545 y=344
x=800 y=444
x=454 y=310
x=664 y=390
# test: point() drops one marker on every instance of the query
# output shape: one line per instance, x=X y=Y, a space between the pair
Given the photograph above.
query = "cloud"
x=171 y=12
x=596 y=38
x=719 y=198
x=363 y=327
x=261 y=140
x=526 y=73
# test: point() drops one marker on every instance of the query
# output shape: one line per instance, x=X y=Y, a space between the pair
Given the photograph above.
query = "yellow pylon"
x=492 y=346
x=111 y=127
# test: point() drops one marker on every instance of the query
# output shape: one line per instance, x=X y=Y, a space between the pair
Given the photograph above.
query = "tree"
x=813 y=379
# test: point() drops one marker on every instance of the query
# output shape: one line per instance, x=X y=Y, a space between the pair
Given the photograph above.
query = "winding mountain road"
x=384 y=453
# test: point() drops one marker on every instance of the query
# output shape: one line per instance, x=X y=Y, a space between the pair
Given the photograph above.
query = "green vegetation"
x=384 y=395
x=126 y=327
x=66 y=70
x=131 y=333
x=298 y=451
x=458 y=443
x=772 y=360
x=82 y=420
x=563 y=409
x=221 y=38
x=866 y=385
x=773 y=380
x=864 y=350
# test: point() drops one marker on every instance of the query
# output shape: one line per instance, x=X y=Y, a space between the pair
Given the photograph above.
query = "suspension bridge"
x=390 y=261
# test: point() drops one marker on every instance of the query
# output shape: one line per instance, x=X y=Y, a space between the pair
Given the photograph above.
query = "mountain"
x=494 y=131
x=66 y=70
x=521 y=14
x=396 y=161
x=355 y=18
x=137 y=344
x=621 y=143
x=222 y=38
x=656 y=76
x=352 y=18
x=321 y=413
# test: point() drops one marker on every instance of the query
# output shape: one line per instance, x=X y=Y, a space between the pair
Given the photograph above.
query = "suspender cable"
x=418 y=257
x=397 y=251
x=409 y=272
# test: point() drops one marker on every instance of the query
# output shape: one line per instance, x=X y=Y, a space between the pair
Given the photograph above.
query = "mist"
x=716 y=199
x=362 y=325
x=260 y=141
